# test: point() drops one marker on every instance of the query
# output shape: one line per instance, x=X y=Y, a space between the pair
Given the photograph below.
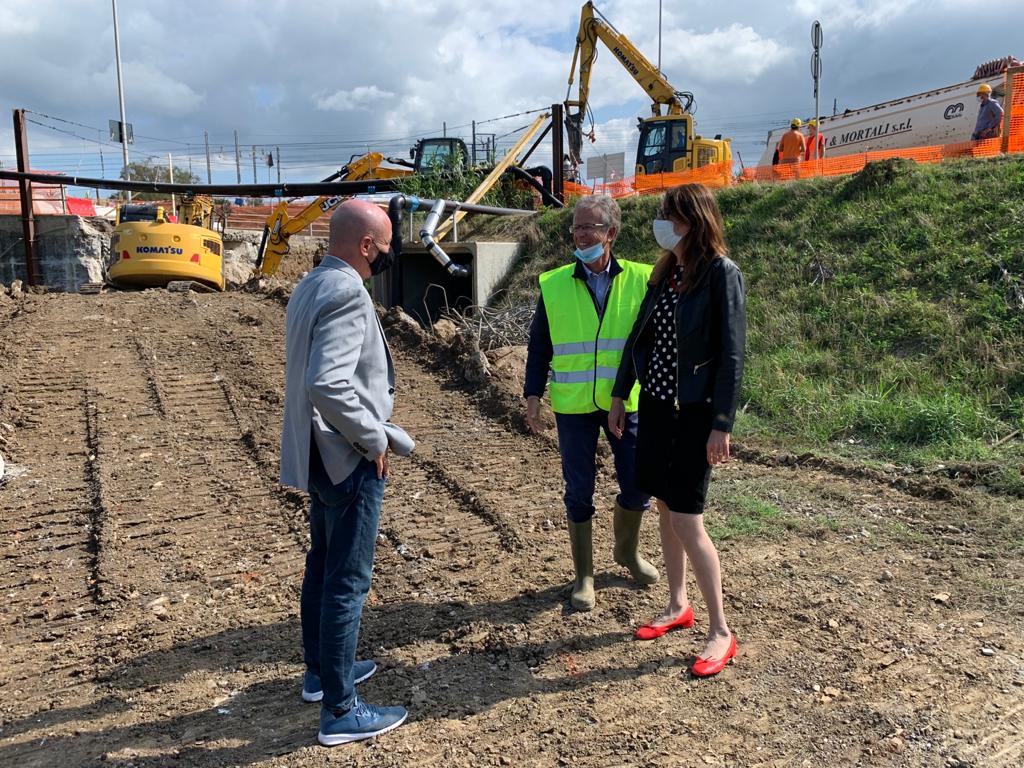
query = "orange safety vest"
x=809 y=151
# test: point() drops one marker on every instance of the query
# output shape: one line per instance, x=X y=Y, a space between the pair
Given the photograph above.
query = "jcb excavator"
x=431 y=155
x=428 y=153
x=668 y=142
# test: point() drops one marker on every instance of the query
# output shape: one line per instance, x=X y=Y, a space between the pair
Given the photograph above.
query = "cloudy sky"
x=323 y=81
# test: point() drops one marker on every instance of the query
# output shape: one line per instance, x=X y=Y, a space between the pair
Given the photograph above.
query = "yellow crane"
x=668 y=142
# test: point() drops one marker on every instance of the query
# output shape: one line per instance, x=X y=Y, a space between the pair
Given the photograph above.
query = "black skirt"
x=671 y=452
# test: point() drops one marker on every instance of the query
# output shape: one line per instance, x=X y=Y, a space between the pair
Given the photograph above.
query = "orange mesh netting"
x=1015 y=140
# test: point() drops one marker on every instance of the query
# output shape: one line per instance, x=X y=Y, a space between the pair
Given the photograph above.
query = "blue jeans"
x=343 y=522
x=577 y=441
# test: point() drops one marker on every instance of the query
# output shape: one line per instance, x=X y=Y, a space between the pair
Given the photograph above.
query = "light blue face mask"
x=591 y=254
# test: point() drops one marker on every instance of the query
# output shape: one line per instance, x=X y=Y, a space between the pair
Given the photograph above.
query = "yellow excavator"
x=152 y=249
x=429 y=155
x=668 y=142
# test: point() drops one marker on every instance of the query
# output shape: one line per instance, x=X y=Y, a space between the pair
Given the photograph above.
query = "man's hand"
x=533 y=415
x=617 y=417
x=382 y=465
x=718 y=447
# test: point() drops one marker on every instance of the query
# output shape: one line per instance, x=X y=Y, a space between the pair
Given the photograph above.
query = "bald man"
x=339 y=392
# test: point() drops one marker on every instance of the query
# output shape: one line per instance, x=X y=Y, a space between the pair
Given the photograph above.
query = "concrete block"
x=424 y=289
x=70 y=250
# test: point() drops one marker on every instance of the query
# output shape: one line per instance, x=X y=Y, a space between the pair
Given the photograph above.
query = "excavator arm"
x=595 y=27
x=280 y=226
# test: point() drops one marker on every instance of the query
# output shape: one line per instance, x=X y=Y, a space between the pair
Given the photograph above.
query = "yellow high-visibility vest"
x=588 y=348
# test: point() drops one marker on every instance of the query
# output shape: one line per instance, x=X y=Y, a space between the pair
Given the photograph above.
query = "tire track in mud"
x=47 y=567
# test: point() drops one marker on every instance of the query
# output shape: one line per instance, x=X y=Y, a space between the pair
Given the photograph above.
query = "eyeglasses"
x=579 y=229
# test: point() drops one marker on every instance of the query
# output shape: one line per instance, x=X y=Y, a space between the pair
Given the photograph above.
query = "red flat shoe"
x=652 y=631
x=707 y=667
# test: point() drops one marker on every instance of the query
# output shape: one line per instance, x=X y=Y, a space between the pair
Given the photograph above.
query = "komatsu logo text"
x=159 y=249
x=625 y=61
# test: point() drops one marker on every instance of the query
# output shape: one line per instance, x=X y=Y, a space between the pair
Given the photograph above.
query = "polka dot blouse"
x=661 y=373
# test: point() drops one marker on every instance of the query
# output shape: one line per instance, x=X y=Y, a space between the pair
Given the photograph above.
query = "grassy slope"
x=912 y=350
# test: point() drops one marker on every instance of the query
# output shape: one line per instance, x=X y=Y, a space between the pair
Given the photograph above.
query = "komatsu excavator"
x=668 y=142
x=150 y=249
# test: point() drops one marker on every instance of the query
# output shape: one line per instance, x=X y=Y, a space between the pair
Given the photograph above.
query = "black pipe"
x=304 y=189
x=526 y=176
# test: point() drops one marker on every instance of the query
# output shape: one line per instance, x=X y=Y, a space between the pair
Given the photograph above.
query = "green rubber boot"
x=583 y=561
x=626 y=525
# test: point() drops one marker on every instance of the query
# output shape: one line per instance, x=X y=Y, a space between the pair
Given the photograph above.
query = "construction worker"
x=990 y=115
x=585 y=312
x=812 y=137
x=792 y=145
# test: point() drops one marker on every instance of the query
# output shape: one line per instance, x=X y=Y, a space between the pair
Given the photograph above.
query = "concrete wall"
x=70 y=250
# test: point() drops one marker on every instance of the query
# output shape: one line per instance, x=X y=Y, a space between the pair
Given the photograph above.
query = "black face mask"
x=384 y=261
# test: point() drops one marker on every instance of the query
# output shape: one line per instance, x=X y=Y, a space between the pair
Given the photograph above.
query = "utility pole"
x=28 y=222
x=659 y=36
x=473 y=152
x=444 y=128
x=120 y=99
x=238 y=160
x=254 y=179
x=170 y=177
x=278 y=151
x=816 y=40
x=209 y=173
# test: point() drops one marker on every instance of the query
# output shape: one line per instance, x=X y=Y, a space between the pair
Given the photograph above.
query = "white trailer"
x=942 y=116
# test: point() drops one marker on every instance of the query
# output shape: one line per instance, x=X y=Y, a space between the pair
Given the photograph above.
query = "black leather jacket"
x=711 y=329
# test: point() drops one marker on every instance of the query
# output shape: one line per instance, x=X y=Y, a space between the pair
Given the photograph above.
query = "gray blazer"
x=339 y=377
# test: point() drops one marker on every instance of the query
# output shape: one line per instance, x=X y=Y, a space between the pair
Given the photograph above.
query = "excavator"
x=430 y=155
x=151 y=249
x=668 y=142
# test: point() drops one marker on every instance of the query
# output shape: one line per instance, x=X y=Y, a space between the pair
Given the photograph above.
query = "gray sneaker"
x=313 y=691
x=363 y=721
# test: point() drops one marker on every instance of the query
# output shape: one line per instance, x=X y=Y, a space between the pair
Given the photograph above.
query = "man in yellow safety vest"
x=584 y=315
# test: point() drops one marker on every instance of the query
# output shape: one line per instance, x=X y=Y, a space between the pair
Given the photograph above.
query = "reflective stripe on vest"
x=587 y=349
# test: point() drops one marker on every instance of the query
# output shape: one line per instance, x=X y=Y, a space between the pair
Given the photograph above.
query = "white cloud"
x=856 y=13
x=363 y=97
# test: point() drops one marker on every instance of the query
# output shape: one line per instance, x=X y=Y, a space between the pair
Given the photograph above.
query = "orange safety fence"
x=1015 y=140
x=717 y=175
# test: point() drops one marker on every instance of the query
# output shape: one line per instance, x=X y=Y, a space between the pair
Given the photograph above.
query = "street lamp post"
x=120 y=98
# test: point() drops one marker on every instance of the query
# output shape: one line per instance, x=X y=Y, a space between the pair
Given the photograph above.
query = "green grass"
x=911 y=350
x=747 y=517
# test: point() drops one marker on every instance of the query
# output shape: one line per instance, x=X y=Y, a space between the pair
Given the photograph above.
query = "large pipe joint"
x=427 y=237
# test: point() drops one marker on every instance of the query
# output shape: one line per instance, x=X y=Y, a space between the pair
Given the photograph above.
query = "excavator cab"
x=439 y=154
x=665 y=144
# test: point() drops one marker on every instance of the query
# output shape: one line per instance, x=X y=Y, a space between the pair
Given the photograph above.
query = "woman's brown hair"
x=705 y=242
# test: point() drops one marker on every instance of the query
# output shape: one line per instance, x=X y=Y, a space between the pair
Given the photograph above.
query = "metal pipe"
x=412 y=203
x=426 y=237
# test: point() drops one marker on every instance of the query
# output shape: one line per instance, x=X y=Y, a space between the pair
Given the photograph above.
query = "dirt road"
x=150 y=567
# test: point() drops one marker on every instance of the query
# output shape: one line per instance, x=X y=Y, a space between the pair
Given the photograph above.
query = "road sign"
x=115 y=131
x=607 y=167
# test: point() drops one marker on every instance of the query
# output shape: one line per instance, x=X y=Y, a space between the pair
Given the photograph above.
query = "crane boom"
x=595 y=27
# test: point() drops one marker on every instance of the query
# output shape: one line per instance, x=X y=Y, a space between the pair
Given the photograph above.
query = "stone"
x=16 y=287
x=445 y=330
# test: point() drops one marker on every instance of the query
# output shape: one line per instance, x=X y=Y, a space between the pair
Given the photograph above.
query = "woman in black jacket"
x=686 y=349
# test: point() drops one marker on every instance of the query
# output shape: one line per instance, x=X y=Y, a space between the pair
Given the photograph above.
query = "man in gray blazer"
x=339 y=392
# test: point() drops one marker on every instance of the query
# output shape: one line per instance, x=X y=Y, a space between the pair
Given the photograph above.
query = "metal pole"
x=170 y=178
x=120 y=99
x=659 y=35
x=278 y=151
x=557 y=167
x=238 y=160
x=816 y=41
x=28 y=222
x=444 y=128
x=473 y=153
x=209 y=173
x=103 y=172
x=254 y=179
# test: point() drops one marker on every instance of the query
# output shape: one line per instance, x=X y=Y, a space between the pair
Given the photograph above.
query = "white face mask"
x=665 y=234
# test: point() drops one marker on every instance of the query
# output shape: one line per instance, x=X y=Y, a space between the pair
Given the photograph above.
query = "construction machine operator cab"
x=664 y=144
x=139 y=212
x=439 y=154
